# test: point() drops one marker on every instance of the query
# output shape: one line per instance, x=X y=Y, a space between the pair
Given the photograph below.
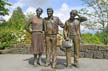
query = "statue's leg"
x=48 y=51
x=76 y=51
x=68 y=57
x=35 y=59
x=40 y=59
x=54 y=52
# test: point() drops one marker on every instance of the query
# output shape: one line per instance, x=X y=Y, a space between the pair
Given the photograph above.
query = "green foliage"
x=13 y=31
x=10 y=35
x=6 y=38
x=27 y=38
x=98 y=18
x=3 y=10
x=17 y=19
x=90 y=39
x=103 y=36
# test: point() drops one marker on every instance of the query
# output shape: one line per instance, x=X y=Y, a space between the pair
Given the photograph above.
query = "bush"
x=90 y=39
x=103 y=36
x=6 y=38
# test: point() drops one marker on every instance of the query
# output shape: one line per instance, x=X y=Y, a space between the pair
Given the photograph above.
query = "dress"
x=37 y=44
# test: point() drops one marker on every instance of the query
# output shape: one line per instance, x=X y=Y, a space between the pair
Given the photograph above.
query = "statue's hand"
x=67 y=39
x=76 y=17
x=30 y=32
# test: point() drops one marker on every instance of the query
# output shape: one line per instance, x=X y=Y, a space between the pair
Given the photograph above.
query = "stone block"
x=82 y=54
x=92 y=47
x=105 y=54
x=98 y=54
x=103 y=48
x=83 y=49
x=88 y=54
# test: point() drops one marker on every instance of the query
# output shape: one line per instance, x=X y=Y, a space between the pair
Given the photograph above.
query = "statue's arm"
x=27 y=27
x=44 y=25
x=65 y=31
x=82 y=18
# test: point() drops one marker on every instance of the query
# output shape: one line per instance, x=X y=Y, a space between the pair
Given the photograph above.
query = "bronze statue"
x=72 y=31
x=37 y=47
x=51 y=24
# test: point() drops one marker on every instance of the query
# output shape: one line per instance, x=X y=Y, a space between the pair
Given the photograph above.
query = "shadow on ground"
x=61 y=63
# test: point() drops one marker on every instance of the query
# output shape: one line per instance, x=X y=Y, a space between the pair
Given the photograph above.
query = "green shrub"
x=6 y=38
x=90 y=39
x=103 y=36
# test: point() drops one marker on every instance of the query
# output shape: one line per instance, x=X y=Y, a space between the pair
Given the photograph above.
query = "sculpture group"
x=44 y=34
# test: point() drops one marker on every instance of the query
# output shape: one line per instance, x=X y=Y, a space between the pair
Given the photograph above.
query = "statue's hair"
x=39 y=9
x=50 y=9
x=74 y=11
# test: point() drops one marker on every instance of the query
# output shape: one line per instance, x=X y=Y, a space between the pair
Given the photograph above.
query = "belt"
x=50 y=34
x=37 y=31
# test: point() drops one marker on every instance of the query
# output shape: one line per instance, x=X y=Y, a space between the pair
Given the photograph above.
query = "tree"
x=18 y=19
x=98 y=16
x=17 y=23
x=13 y=31
x=3 y=9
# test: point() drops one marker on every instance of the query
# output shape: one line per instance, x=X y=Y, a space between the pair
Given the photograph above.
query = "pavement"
x=24 y=62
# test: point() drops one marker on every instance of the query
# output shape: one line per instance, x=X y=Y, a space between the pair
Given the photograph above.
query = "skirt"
x=37 y=43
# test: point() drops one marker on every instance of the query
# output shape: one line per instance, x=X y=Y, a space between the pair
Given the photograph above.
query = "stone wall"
x=86 y=51
x=94 y=51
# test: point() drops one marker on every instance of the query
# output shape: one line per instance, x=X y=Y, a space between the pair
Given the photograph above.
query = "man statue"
x=72 y=31
x=51 y=24
x=37 y=47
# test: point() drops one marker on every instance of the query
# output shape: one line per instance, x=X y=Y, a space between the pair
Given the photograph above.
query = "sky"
x=61 y=8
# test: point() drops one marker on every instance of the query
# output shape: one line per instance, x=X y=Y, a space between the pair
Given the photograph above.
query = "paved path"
x=20 y=62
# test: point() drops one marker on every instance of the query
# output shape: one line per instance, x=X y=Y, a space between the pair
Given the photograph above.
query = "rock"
x=98 y=55
x=88 y=54
x=106 y=54
x=82 y=54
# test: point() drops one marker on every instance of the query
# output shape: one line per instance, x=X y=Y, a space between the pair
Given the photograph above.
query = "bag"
x=67 y=43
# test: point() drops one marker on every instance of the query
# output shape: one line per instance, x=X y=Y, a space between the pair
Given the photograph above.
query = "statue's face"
x=49 y=13
x=72 y=15
x=39 y=12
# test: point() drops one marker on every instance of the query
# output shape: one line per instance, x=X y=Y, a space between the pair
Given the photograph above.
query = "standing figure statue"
x=72 y=31
x=37 y=46
x=51 y=24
